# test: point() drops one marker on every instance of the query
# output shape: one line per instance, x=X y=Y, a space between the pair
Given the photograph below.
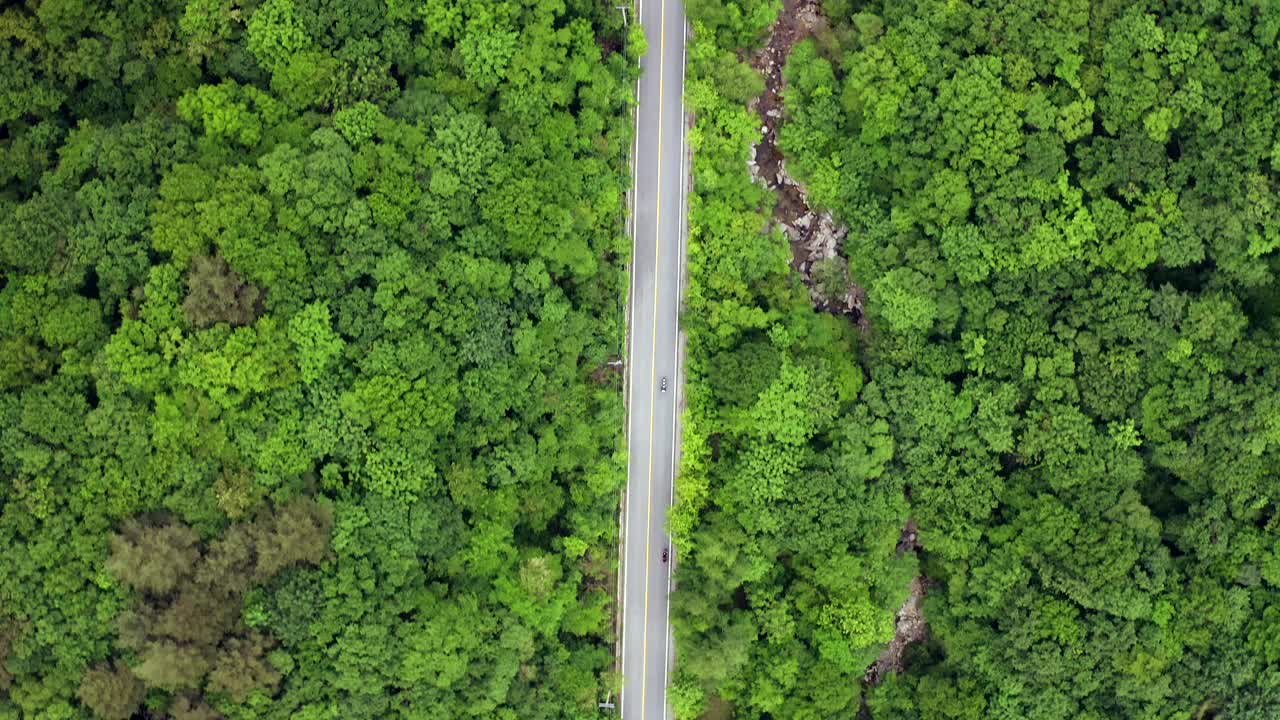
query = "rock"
x=824 y=238
x=807 y=17
x=803 y=221
x=753 y=154
x=764 y=130
x=774 y=113
x=782 y=173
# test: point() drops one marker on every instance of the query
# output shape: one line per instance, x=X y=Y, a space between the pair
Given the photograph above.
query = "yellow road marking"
x=653 y=360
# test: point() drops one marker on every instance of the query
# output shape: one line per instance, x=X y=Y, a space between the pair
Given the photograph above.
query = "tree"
x=218 y=294
x=242 y=667
x=906 y=300
x=312 y=334
x=111 y=691
x=153 y=560
x=240 y=113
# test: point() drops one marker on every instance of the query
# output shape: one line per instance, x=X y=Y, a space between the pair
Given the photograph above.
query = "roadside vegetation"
x=306 y=316
x=786 y=518
x=1065 y=219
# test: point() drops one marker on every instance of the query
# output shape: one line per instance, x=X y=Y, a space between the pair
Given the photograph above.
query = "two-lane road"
x=658 y=227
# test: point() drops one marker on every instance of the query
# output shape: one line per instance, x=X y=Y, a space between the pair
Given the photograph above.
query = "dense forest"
x=306 y=315
x=310 y=313
x=1065 y=217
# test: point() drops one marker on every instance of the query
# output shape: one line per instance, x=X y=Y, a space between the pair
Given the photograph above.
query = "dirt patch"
x=717 y=709
x=910 y=626
x=609 y=44
x=609 y=373
x=911 y=629
x=816 y=239
x=909 y=540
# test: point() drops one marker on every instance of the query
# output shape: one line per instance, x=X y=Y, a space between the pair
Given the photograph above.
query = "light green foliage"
x=849 y=628
x=905 y=299
x=734 y=23
x=240 y=364
x=231 y=110
x=276 y=34
x=466 y=149
x=176 y=225
x=486 y=52
x=686 y=696
x=358 y=122
x=637 y=42
x=311 y=332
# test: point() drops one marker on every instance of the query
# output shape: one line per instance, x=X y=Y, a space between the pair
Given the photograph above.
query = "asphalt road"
x=658 y=229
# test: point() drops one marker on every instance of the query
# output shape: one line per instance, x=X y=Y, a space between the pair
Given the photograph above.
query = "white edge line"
x=631 y=351
x=681 y=260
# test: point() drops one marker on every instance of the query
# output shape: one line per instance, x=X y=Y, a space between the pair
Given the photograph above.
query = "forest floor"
x=815 y=237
